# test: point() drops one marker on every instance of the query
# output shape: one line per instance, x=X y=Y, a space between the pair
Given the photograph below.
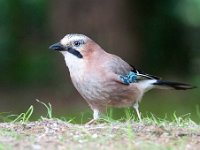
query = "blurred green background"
x=159 y=37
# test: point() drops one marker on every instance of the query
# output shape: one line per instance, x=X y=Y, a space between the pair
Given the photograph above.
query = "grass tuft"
x=24 y=117
x=48 y=107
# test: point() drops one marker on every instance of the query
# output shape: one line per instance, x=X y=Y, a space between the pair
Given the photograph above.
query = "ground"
x=60 y=135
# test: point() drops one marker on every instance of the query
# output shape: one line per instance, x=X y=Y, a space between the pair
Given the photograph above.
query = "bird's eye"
x=77 y=43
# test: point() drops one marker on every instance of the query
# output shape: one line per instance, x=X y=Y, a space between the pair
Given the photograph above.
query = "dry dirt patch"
x=57 y=134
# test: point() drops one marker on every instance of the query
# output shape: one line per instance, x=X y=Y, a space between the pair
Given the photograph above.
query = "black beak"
x=57 y=46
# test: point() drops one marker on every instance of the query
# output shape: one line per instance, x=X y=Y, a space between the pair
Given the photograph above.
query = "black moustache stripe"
x=74 y=52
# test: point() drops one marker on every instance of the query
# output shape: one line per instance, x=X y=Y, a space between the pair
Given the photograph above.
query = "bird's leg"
x=136 y=107
x=129 y=78
x=95 y=117
x=95 y=114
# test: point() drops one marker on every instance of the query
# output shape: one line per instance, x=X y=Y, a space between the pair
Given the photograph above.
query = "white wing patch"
x=146 y=85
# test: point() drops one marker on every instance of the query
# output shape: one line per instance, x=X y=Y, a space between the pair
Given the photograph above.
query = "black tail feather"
x=174 y=85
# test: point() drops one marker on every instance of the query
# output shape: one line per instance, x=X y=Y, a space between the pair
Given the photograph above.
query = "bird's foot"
x=129 y=78
x=91 y=122
x=97 y=121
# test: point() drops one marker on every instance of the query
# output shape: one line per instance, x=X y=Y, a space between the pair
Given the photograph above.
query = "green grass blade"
x=48 y=107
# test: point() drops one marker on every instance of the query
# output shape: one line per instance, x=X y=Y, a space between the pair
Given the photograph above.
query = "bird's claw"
x=91 y=122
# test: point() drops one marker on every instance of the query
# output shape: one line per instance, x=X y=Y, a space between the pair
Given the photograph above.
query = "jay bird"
x=104 y=79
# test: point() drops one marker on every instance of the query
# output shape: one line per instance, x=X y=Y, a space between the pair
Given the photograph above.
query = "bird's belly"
x=107 y=93
x=92 y=91
x=124 y=96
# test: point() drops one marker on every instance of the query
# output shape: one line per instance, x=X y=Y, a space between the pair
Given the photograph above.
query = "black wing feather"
x=143 y=74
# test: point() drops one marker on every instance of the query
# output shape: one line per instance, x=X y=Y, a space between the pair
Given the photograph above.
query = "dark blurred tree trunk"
x=106 y=22
x=165 y=47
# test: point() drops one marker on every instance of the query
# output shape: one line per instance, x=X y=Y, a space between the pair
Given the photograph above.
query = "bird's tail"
x=162 y=84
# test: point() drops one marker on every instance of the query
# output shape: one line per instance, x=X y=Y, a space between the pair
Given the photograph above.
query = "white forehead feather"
x=73 y=37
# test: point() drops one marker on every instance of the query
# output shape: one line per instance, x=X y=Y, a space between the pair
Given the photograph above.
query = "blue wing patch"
x=129 y=78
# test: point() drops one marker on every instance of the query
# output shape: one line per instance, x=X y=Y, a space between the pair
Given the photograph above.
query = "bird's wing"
x=143 y=75
x=120 y=67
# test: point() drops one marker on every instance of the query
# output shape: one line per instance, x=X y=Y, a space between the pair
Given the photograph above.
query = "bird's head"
x=75 y=45
x=78 y=51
